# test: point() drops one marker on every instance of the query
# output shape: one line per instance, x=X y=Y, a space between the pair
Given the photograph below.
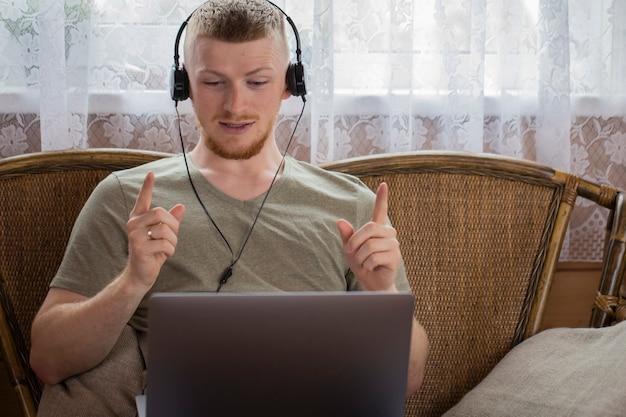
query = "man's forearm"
x=72 y=333
x=420 y=347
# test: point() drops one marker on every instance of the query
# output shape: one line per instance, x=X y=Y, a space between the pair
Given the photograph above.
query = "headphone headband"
x=179 y=79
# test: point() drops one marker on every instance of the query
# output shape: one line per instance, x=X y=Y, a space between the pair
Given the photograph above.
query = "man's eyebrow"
x=249 y=73
x=260 y=69
x=209 y=71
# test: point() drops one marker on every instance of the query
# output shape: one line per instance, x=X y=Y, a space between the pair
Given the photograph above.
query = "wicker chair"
x=40 y=197
x=481 y=237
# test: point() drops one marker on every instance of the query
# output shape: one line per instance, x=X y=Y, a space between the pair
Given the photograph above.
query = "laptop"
x=279 y=354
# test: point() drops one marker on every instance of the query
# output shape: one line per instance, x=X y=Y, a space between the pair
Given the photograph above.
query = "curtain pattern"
x=537 y=79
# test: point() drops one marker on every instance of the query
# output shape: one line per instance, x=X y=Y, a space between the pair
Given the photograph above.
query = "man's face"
x=237 y=89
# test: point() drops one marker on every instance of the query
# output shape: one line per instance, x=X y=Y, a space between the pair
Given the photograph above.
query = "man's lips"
x=235 y=126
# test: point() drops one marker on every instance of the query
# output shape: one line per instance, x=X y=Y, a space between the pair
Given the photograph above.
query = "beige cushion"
x=558 y=372
x=107 y=390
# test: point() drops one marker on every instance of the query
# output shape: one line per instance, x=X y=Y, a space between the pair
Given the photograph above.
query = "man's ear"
x=286 y=93
x=188 y=83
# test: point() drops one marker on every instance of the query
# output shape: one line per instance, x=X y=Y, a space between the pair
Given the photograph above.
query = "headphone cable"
x=229 y=270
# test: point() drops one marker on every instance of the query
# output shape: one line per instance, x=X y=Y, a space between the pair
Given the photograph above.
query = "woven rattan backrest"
x=40 y=198
x=476 y=235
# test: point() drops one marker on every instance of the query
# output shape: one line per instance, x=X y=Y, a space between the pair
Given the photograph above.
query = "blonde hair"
x=235 y=21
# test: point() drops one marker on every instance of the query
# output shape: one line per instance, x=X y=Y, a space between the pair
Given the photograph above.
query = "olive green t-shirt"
x=294 y=246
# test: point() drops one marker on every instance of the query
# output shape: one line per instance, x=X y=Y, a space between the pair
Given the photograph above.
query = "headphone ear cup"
x=295 y=79
x=179 y=83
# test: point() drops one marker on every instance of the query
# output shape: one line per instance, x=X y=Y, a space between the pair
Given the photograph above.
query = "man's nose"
x=236 y=100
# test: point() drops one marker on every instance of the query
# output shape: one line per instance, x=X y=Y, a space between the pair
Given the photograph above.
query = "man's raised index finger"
x=381 y=205
x=144 y=198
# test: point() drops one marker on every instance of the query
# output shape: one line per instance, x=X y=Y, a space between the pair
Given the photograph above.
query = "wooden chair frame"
x=610 y=302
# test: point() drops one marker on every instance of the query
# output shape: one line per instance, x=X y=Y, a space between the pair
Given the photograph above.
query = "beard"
x=222 y=149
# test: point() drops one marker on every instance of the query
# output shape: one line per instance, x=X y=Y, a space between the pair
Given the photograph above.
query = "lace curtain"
x=542 y=80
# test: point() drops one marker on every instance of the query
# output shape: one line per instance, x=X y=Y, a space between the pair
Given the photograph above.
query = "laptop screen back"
x=288 y=354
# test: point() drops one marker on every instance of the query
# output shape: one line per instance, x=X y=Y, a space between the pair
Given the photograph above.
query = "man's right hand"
x=152 y=235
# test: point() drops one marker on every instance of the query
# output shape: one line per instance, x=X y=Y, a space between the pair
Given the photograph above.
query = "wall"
x=572 y=295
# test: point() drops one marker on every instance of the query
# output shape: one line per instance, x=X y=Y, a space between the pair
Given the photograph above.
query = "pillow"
x=109 y=389
x=557 y=372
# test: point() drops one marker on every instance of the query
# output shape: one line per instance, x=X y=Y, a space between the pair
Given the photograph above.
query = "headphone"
x=179 y=79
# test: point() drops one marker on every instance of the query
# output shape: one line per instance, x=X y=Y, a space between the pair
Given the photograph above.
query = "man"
x=134 y=237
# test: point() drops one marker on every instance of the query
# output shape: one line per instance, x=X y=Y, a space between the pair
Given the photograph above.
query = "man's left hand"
x=373 y=252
